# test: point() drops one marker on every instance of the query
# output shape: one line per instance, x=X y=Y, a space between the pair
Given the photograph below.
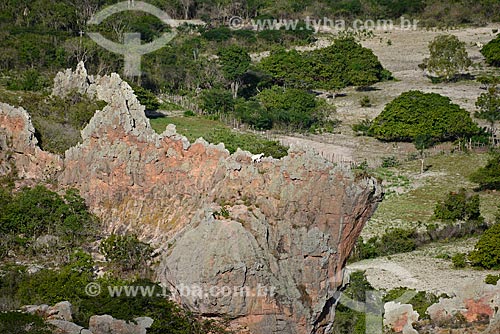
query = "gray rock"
x=400 y=317
x=106 y=324
x=66 y=327
x=60 y=311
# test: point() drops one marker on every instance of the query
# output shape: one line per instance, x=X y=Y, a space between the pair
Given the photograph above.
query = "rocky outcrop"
x=19 y=152
x=60 y=311
x=279 y=230
x=60 y=317
x=475 y=302
x=399 y=318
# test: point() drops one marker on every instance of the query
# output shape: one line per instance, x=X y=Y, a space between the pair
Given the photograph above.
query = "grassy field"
x=191 y=127
x=217 y=132
x=412 y=196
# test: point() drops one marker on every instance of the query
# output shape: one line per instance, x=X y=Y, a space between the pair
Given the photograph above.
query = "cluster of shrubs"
x=248 y=142
x=491 y=51
x=458 y=207
x=272 y=108
x=344 y=63
x=31 y=213
x=34 y=214
x=68 y=283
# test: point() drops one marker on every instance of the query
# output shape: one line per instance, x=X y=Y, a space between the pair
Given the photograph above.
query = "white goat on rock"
x=257 y=158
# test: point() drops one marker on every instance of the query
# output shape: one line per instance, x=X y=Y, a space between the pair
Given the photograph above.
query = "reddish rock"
x=290 y=223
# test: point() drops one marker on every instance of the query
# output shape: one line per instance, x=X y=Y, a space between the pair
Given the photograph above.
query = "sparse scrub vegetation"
x=458 y=206
x=57 y=121
x=35 y=214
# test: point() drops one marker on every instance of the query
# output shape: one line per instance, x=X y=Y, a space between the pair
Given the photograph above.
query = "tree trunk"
x=234 y=88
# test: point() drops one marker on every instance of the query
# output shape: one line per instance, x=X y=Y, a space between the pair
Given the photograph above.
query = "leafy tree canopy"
x=491 y=51
x=486 y=253
x=415 y=113
x=344 y=63
x=448 y=57
x=488 y=177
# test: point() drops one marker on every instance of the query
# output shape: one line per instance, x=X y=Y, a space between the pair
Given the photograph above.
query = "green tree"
x=458 y=206
x=486 y=253
x=488 y=105
x=415 y=113
x=422 y=142
x=488 y=177
x=448 y=57
x=491 y=51
x=235 y=62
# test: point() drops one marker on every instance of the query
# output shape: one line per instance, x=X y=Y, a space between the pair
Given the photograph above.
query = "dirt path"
x=421 y=270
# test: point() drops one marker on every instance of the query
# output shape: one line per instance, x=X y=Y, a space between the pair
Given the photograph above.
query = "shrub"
x=30 y=80
x=486 y=253
x=217 y=101
x=344 y=63
x=391 y=161
x=146 y=98
x=21 y=323
x=458 y=206
x=491 y=51
x=414 y=113
x=290 y=108
x=37 y=211
x=488 y=177
x=188 y=113
x=365 y=102
x=459 y=260
x=220 y=34
x=363 y=127
x=126 y=252
x=492 y=279
x=397 y=240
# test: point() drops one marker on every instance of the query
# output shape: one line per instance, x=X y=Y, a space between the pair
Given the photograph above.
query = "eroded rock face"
x=284 y=226
x=475 y=302
x=19 y=150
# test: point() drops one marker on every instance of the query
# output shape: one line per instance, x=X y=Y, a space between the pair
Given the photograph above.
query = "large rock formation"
x=261 y=243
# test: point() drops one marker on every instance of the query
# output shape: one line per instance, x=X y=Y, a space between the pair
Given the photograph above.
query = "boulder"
x=400 y=317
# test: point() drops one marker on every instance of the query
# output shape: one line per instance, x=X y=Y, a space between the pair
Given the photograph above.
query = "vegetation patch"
x=414 y=114
x=491 y=51
x=216 y=132
x=344 y=63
